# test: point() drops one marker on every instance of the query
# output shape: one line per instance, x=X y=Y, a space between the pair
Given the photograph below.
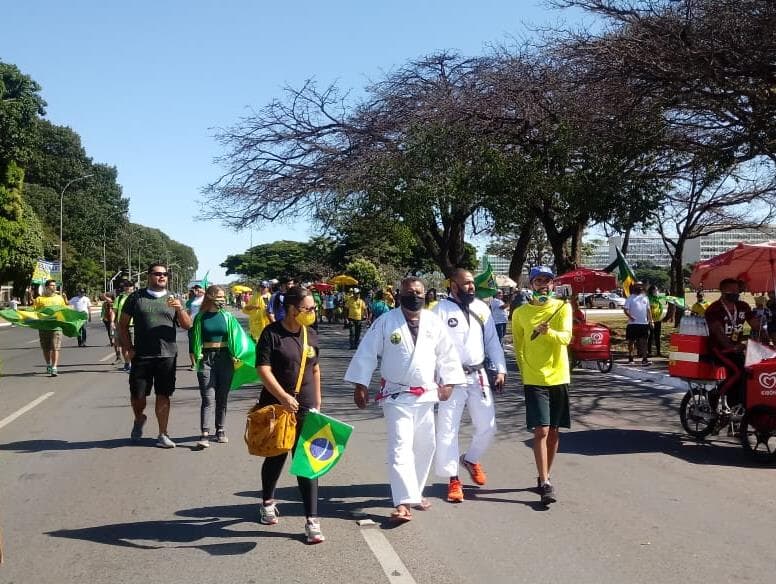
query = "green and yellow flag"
x=624 y=272
x=321 y=444
x=485 y=283
x=50 y=318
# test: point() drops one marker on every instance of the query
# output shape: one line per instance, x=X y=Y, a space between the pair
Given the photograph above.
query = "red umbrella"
x=586 y=280
x=321 y=287
x=753 y=264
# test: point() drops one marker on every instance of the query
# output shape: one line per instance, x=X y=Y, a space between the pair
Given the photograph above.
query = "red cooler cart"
x=592 y=342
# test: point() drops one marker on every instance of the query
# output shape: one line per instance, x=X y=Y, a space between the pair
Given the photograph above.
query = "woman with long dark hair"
x=279 y=361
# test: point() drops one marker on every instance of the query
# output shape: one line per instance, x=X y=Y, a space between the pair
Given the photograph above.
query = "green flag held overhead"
x=624 y=272
x=321 y=443
x=485 y=283
x=50 y=318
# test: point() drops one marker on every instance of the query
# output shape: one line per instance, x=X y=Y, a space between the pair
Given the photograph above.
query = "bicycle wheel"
x=696 y=413
x=758 y=434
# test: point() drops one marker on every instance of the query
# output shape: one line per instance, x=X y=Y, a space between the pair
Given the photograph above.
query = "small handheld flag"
x=485 y=283
x=321 y=444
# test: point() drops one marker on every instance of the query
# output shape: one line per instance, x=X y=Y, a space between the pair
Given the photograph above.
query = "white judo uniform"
x=475 y=339
x=411 y=373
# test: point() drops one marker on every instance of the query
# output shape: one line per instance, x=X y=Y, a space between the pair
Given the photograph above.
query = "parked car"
x=604 y=300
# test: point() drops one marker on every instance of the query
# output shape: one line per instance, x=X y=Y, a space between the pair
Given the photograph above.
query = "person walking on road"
x=279 y=363
x=126 y=288
x=156 y=314
x=81 y=303
x=51 y=340
x=356 y=312
x=108 y=318
x=256 y=309
x=472 y=330
x=212 y=339
x=541 y=332
x=276 y=309
x=419 y=367
x=193 y=305
x=499 y=310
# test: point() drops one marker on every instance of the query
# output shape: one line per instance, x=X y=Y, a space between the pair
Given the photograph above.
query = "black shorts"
x=157 y=373
x=634 y=332
x=547 y=405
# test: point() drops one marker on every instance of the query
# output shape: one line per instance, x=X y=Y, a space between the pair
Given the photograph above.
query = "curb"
x=643 y=375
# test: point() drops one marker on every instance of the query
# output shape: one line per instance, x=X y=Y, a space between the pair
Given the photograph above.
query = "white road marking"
x=32 y=342
x=27 y=408
x=108 y=356
x=390 y=561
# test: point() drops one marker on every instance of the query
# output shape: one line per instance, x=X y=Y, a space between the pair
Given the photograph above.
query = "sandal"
x=424 y=505
x=401 y=515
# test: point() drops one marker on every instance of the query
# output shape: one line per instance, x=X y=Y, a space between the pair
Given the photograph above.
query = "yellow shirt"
x=44 y=301
x=545 y=359
x=256 y=309
x=699 y=308
x=356 y=308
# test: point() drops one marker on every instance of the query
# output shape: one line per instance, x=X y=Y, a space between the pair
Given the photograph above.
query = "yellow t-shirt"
x=699 y=308
x=356 y=308
x=256 y=309
x=545 y=359
x=44 y=301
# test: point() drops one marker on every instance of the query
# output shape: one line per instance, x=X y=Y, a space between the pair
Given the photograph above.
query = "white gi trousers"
x=478 y=397
x=410 y=449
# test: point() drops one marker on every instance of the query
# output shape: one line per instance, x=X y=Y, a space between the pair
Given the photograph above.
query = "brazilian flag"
x=321 y=444
x=485 y=283
x=49 y=318
x=624 y=272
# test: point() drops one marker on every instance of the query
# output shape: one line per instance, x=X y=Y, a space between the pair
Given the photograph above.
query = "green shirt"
x=213 y=327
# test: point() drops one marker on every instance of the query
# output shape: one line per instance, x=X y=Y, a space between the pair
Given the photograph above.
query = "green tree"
x=365 y=272
x=269 y=260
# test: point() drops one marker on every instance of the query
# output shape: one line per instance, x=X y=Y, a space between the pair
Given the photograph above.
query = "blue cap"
x=537 y=271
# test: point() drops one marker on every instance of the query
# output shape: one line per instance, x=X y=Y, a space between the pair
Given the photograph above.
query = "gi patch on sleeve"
x=452 y=322
x=395 y=338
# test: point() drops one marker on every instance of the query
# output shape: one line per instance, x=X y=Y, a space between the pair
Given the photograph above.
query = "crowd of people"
x=437 y=354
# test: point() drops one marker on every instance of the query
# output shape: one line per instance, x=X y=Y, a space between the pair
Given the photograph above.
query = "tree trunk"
x=625 y=241
x=520 y=253
x=677 y=277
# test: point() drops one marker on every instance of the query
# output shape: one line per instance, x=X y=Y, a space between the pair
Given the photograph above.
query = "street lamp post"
x=61 y=215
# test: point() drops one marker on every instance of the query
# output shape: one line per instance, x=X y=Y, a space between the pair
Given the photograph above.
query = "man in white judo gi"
x=470 y=325
x=419 y=366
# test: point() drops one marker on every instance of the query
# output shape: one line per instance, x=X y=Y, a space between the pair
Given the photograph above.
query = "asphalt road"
x=638 y=501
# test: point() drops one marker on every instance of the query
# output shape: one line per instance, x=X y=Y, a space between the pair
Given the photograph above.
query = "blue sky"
x=146 y=83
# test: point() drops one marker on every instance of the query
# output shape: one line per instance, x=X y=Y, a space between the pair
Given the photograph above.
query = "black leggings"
x=270 y=473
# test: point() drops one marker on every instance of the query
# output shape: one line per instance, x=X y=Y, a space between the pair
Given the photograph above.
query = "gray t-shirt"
x=155 y=324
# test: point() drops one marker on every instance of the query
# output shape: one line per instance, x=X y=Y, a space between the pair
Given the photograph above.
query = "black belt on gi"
x=473 y=368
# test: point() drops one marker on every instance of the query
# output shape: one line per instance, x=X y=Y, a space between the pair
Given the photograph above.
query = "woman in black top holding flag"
x=278 y=361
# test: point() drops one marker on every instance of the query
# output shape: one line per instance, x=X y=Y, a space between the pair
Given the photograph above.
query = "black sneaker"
x=548 y=494
x=645 y=362
x=630 y=359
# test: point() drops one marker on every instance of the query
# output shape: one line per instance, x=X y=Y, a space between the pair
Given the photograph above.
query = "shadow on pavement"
x=614 y=441
x=154 y=535
x=31 y=446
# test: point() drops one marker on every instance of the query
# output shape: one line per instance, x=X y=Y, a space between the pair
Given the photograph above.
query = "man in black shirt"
x=156 y=314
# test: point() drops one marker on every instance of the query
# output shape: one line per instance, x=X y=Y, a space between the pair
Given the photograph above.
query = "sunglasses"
x=160 y=274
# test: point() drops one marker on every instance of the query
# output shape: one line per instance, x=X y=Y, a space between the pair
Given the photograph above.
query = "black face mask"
x=411 y=302
x=731 y=296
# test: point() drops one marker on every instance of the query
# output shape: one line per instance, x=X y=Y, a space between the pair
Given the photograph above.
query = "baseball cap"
x=537 y=271
x=264 y=284
x=195 y=286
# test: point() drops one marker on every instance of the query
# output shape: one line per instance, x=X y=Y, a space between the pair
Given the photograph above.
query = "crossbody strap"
x=304 y=361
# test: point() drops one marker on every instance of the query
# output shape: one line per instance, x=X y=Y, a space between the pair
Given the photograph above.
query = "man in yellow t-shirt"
x=50 y=341
x=541 y=332
x=356 y=311
x=700 y=306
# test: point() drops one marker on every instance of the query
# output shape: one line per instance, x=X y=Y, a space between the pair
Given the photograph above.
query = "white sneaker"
x=268 y=514
x=204 y=442
x=312 y=530
x=163 y=441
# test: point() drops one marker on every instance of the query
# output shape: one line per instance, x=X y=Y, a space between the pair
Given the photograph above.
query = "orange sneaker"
x=455 y=491
x=475 y=471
